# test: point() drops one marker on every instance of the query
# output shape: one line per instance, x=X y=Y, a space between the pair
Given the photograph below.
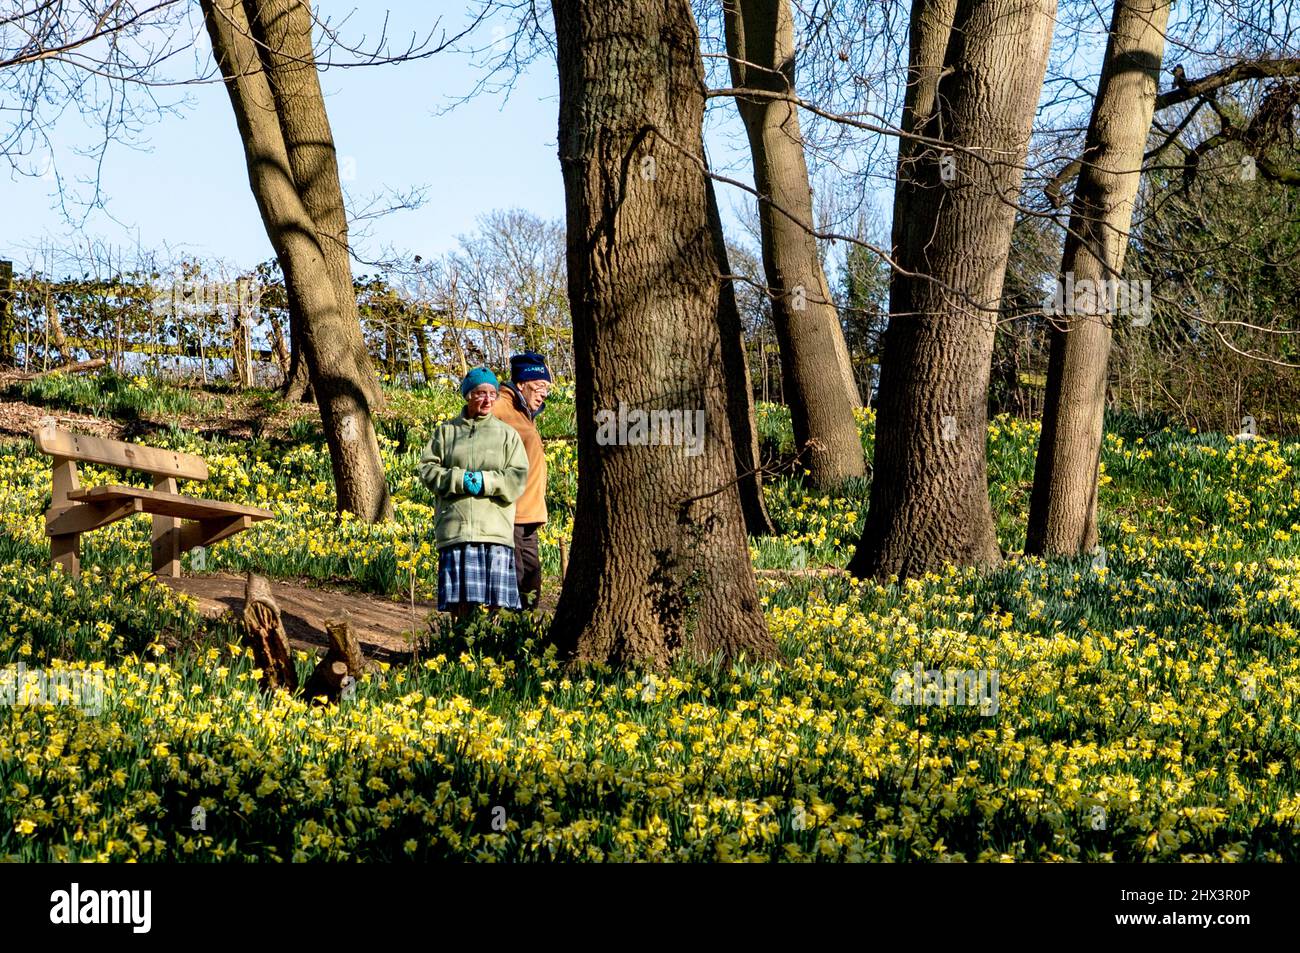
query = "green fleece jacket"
x=485 y=444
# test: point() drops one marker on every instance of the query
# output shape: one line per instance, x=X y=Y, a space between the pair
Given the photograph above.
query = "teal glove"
x=474 y=482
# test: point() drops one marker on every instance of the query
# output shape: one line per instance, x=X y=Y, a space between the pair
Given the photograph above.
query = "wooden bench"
x=74 y=511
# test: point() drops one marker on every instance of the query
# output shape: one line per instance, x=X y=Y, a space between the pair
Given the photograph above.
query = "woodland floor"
x=383 y=626
x=231 y=415
x=19 y=419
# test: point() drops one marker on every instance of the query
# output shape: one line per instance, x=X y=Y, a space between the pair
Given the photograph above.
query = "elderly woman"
x=477 y=467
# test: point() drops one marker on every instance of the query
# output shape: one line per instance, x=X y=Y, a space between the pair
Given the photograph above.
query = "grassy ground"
x=1144 y=710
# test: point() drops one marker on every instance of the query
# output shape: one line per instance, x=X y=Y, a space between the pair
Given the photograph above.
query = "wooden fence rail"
x=402 y=341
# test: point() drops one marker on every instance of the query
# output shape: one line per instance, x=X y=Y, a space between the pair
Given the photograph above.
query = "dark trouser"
x=528 y=564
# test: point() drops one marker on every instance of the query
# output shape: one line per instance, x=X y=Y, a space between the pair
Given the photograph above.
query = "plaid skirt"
x=478 y=572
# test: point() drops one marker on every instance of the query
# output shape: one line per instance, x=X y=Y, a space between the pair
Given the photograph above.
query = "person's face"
x=479 y=401
x=534 y=392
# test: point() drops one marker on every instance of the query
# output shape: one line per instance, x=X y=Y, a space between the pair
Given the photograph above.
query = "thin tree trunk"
x=7 y=333
x=740 y=389
x=929 y=495
x=815 y=366
x=297 y=381
x=203 y=358
x=278 y=349
x=462 y=358
x=422 y=342
x=1063 y=506
x=343 y=385
x=390 y=351
x=59 y=339
x=665 y=566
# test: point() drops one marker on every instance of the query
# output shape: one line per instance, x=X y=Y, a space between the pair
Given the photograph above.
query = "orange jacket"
x=531 y=506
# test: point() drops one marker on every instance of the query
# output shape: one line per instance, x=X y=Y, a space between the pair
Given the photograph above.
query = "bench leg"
x=65 y=551
x=166 y=546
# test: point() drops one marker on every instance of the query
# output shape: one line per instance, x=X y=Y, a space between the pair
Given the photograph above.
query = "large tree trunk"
x=273 y=121
x=815 y=366
x=930 y=29
x=740 y=389
x=665 y=566
x=284 y=27
x=1063 y=506
x=929 y=494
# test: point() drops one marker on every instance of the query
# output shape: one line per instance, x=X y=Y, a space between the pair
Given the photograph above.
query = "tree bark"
x=284 y=26
x=422 y=342
x=740 y=389
x=58 y=339
x=288 y=356
x=7 y=333
x=343 y=658
x=264 y=633
x=929 y=500
x=297 y=381
x=930 y=29
x=665 y=566
x=271 y=123
x=815 y=366
x=1063 y=505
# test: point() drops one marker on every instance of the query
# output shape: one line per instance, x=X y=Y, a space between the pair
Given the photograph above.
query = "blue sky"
x=185 y=188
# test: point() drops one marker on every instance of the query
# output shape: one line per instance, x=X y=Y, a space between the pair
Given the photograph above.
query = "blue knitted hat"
x=529 y=366
x=480 y=375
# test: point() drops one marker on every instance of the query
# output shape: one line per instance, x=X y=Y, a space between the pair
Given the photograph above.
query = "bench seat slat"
x=167 y=504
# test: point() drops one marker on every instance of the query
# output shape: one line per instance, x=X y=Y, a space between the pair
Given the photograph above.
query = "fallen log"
x=264 y=633
x=80 y=367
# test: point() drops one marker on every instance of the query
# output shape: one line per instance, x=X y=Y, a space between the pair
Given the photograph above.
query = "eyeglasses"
x=483 y=395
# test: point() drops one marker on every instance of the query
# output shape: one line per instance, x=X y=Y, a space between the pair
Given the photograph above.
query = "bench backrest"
x=115 y=453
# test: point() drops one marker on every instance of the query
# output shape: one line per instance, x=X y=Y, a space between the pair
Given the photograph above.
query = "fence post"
x=6 y=313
